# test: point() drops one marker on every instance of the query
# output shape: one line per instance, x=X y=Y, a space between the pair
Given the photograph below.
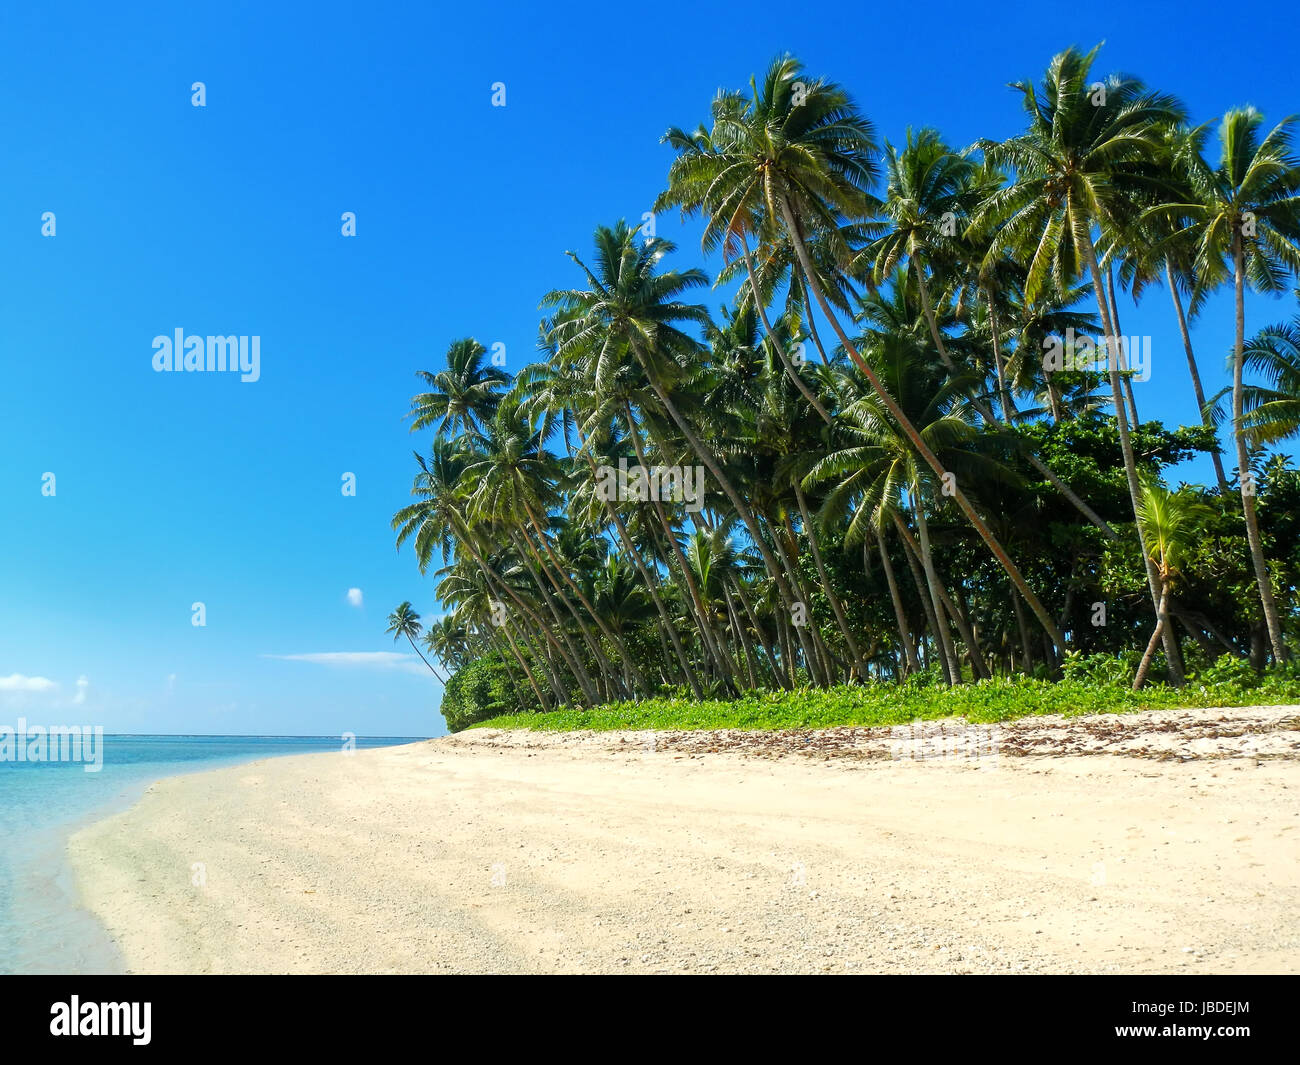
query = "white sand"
x=676 y=852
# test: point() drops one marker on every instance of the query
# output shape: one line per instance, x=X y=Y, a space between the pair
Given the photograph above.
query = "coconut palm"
x=464 y=395
x=404 y=621
x=794 y=161
x=631 y=309
x=1245 y=219
x=1171 y=521
x=1272 y=409
x=1088 y=156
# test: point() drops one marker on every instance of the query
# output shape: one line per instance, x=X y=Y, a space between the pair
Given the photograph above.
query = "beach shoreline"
x=1160 y=842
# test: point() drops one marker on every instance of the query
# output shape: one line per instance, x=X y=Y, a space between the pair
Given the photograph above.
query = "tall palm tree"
x=1090 y=152
x=1245 y=218
x=1162 y=245
x=794 y=161
x=632 y=309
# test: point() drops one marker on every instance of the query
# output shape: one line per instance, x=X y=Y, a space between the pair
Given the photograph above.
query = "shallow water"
x=42 y=928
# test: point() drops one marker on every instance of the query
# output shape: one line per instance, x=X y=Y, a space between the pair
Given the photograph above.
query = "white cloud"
x=354 y=596
x=16 y=682
x=83 y=683
x=385 y=660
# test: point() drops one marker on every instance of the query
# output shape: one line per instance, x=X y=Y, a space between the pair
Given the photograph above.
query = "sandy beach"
x=1153 y=843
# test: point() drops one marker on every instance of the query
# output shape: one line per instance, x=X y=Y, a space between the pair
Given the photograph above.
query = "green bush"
x=485 y=688
x=1101 y=668
x=881 y=703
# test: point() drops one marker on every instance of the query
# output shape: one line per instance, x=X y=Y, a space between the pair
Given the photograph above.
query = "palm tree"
x=406 y=622
x=463 y=396
x=794 y=162
x=1161 y=244
x=1245 y=219
x=631 y=308
x=1089 y=153
x=438 y=519
x=1171 y=521
x=1272 y=410
x=874 y=470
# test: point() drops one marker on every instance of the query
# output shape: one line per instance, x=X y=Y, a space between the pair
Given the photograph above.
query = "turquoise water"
x=42 y=929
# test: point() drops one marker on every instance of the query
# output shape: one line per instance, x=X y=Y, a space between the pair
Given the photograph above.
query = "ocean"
x=42 y=928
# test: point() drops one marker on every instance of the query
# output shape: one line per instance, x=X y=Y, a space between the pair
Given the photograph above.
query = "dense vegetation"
x=894 y=453
x=1089 y=686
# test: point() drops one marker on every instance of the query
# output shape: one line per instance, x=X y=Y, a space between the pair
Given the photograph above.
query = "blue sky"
x=225 y=219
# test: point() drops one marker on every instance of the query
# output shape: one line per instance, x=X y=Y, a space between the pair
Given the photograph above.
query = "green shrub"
x=485 y=688
x=1101 y=668
x=1084 y=691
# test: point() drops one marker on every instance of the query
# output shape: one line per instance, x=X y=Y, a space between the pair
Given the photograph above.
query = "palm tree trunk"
x=1196 y=374
x=809 y=632
x=949 y=607
x=706 y=456
x=695 y=599
x=1121 y=348
x=780 y=348
x=932 y=578
x=1162 y=616
x=1126 y=446
x=608 y=675
x=1026 y=645
x=769 y=647
x=926 y=594
x=504 y=585
x=542 y=701
x=838 y=607
x=905 y=423
x=909 y=651
x=787 y=649
x=742 y=637
x=614 y=637
x=1004 y=393
x=1243 y=458
x=1053 y=397
x=579 y=674
x=967 y=626
x=425 y=660
x=652 y=587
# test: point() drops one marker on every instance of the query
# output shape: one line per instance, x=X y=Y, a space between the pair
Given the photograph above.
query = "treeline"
x=911 y=444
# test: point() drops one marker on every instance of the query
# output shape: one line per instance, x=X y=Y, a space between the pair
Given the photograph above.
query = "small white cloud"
x=386 y=660
x=171 y=682
x=83 y=683
x=16 y=682
x=354 y=596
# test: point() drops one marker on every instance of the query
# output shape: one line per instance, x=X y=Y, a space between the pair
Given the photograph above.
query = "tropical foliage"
x=886 y=455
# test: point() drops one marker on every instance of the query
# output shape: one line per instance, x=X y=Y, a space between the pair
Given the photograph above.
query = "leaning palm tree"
x=406 y=622
x=1245 y=217
x=1171 y=521
x=793 y=162
x=1089 y=154
x=872 y=468
x=631 y=309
